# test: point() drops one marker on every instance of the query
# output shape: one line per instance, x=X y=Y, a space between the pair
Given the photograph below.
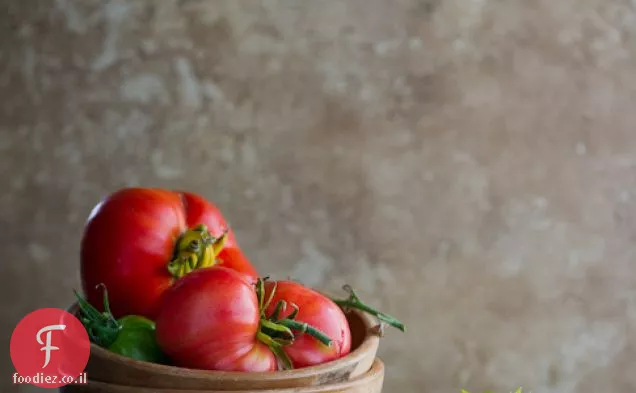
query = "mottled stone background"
x=467 y=165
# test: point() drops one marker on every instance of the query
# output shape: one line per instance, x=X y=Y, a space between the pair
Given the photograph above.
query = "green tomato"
x=136 y=340
x=132 y=336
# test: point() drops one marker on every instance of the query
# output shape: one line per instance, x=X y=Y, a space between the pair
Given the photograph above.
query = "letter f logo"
x=48 y=347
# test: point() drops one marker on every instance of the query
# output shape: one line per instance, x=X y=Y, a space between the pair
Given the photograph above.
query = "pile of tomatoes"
x=165 y=281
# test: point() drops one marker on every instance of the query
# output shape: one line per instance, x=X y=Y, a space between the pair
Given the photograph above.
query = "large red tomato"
x=209 y=320
x=138 y=241
x=215 y=319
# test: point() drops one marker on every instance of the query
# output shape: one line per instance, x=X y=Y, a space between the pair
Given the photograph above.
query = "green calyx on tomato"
x=132 y=336
x=196 y=249
x=354 y=302
x=277 y=332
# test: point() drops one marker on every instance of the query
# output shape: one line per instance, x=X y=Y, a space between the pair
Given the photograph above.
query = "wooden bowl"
x=369 y=382
x=108 y=367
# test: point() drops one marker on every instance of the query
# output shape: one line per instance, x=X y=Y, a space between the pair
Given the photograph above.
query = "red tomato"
x=209 y=320
x=215 y=319
x=316 y=310
x=138 y=241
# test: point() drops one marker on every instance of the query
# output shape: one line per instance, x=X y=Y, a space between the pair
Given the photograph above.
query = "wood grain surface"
x=369 y=382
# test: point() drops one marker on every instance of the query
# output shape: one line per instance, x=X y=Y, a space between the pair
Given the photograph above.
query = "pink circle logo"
x=49 y=349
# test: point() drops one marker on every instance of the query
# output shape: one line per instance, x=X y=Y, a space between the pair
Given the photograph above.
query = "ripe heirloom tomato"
x=138 y=241
x=313 y=308
x=215 y=319
x=317 y=315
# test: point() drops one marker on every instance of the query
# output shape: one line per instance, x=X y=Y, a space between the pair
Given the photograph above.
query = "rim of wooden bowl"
x=370 y=342
x=375 y=373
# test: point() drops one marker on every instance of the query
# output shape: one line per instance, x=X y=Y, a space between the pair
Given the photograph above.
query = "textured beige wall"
x=468 y=165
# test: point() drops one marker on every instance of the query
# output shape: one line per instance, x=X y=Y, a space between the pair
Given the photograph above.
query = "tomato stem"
x=302 y=328
x=353 y=301
x=276 y=328
x=102 y=328
x=276 y=346
x=269 y=299
x=195 y=249
x=293 y=313
x=280 y=306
